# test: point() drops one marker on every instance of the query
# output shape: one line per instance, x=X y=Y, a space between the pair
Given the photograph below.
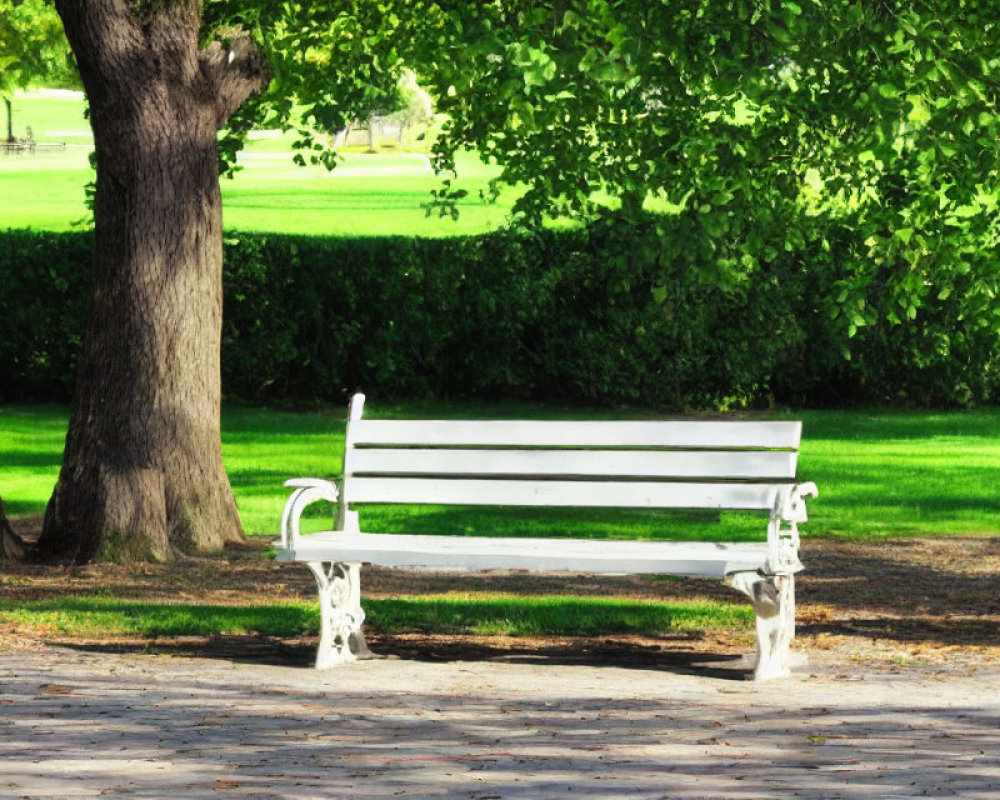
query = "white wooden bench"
x=748 y=466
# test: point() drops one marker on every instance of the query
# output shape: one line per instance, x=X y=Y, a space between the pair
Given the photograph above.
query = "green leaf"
x=716 y=223
x=609 y=72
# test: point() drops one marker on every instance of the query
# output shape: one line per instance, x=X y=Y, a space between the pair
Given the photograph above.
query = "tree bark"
x=12 y=546
x=142 y=475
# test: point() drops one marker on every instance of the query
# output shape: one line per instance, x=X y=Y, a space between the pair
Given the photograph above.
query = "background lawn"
x=879 y=473
x=365 y=195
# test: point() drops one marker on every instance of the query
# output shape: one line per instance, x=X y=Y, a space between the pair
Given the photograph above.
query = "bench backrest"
x=623 y=464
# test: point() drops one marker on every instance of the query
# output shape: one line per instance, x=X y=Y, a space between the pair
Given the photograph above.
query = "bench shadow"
x=300 y=654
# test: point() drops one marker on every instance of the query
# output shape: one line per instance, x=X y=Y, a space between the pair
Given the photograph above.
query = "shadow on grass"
x=882 y=425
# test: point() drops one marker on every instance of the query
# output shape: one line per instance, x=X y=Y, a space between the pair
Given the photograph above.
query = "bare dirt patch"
x=928 y=603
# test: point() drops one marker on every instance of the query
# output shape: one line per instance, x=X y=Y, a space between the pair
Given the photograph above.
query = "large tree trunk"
x=142 y=474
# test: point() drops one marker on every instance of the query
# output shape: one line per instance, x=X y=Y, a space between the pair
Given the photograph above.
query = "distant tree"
x=33 y=50
x=416 y=106
x=405 y=105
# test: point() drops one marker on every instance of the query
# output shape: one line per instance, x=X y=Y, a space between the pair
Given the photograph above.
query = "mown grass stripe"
x=486 y=614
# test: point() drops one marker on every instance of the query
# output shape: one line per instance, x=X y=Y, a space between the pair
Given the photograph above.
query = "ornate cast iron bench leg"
x=773 y=598
x=341 y=616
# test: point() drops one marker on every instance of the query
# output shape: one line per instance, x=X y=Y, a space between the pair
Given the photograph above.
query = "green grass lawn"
x=879 y=474
x=365 y=195
x=484 y=614
x=53 y=116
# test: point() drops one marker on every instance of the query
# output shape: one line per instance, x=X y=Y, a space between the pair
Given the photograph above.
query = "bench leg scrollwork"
x=341 y=617
x=773 y=598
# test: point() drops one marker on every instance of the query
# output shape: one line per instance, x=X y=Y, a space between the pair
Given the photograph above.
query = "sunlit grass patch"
x=484 y=614
x=104 y=616
x=511 y=615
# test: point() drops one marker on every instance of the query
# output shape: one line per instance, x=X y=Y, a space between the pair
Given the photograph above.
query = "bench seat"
x=598 y=556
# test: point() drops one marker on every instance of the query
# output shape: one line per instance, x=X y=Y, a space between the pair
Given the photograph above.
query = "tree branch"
x=235 y=69
x=106 y=38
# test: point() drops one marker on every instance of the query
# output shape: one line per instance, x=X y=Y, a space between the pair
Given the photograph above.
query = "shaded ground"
x=76 y=723
x=895 y=604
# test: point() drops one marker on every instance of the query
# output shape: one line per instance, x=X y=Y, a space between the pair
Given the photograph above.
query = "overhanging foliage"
x=765 y=123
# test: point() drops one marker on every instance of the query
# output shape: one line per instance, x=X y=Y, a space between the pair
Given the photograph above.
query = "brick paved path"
x=85 y=724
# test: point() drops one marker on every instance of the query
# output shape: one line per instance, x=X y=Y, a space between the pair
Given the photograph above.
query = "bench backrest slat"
x=611 y=464
x=656 y=464
x=537 y=433
x=430 y=491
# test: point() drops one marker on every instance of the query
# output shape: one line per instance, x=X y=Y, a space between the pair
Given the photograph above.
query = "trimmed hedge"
x=596 y=316
x=44 y=293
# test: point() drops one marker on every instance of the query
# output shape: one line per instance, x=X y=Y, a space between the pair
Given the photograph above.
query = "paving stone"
x=91 y=724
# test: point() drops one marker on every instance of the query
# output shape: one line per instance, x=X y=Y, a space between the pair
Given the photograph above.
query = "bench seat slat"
x=559 y=433
x=638 y=494
x=557 y=555
x=618 y=464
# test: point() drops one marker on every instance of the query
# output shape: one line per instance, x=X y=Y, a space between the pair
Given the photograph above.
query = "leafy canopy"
x=32 y=45
x=866 y=132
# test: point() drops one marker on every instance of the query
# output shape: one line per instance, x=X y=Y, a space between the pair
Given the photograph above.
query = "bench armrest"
x=795 y=503
x=306 y=491
x=783 y=544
